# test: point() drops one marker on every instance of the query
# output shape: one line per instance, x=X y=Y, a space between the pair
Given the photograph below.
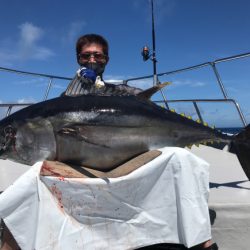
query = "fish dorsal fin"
x=147 y=94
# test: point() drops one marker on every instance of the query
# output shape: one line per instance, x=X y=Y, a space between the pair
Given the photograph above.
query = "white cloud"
x=187 y=82
x=75 y=29
x=148 y=82
x=21 y=101
x=143 y=84
x=3 y=110
x=27 y=46
x=28 y=43
x=30 y=34
x=113 y=81
x=26 y=100
x=114 y=78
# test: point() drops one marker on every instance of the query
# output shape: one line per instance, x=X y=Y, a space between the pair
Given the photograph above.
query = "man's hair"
x=91 y=38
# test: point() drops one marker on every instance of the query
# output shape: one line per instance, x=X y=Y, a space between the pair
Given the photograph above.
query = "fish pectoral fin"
x=147 y=94
x=70 y=131
x=81 y=133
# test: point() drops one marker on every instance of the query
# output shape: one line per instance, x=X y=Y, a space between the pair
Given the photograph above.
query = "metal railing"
x=194 y=101
x=50 y=78
x=218 y=78
x=9 y=106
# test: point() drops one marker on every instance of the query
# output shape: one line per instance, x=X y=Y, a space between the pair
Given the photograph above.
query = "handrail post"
x=198 y=111
x=219 y=80
x=164 y=98
x=48 y=89
x=242 y=117
x=8 y=110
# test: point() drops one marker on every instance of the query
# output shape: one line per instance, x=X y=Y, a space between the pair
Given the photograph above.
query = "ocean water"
x=233 y=130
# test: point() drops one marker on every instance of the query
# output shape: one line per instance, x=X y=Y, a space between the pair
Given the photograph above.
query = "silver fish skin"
x=100 y=132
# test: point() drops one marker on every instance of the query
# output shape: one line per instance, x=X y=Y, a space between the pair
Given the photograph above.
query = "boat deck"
x=229 y=200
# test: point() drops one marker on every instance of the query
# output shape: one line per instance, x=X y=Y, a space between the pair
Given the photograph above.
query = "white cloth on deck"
x=164 y=201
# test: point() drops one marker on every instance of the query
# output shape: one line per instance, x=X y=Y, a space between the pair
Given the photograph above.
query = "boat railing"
x=10 y=106
x=50 y=78
x=195 y=101
x=47 y=76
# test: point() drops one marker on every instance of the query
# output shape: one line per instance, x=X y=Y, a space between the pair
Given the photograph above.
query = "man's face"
x=92 y=57
x=92 y=53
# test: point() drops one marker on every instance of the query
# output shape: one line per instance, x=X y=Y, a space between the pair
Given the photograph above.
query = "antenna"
x=146 y=52
x=153 y=40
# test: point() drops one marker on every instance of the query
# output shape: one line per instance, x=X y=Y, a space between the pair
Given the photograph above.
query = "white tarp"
x=9 y=172
x=163 y=201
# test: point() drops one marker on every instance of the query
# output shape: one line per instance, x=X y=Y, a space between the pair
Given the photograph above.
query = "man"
x=92 y=56
x=92 y=52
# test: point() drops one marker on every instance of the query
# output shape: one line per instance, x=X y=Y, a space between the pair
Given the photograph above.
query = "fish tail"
x=241 y=147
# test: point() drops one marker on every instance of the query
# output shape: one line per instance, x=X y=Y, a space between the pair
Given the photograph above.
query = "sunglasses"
x=96 y=55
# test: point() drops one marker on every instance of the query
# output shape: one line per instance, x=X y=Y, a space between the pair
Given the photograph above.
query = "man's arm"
x=8 y=241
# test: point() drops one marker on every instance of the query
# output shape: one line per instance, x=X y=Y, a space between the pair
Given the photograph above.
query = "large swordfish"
x=102 y=132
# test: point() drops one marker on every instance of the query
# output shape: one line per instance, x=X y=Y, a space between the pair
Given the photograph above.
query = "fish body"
x=100 y=132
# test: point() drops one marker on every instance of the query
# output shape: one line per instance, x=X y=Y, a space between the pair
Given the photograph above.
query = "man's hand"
x=87 y=75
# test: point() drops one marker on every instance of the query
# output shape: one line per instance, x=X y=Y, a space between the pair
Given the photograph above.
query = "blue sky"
x=39 y=36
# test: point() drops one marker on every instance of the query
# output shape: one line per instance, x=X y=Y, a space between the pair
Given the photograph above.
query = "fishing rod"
x=146 y=55
x=146 y=52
